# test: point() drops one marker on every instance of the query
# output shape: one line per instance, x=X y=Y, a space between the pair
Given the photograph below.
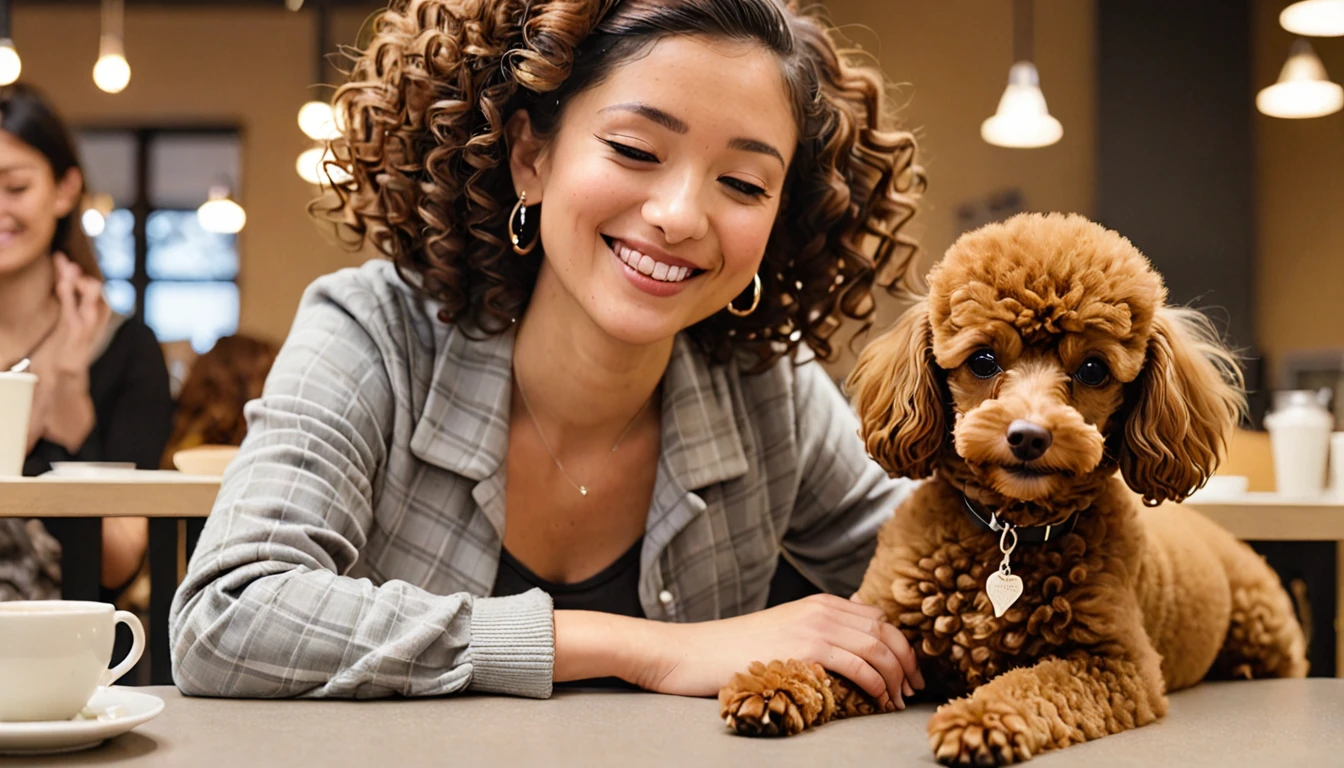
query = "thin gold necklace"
x=582 y=489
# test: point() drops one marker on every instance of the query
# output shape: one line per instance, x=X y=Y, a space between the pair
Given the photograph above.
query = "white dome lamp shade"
x=1022 y=120
x=318 y=121
x=1303 y=89
x=1314 y=18
x=10 y=63
x=318 y=166
x=112 y=73
x=96 y=209
x=220 y=214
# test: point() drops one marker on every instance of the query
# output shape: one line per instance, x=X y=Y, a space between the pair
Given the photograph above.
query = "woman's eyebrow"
x=677 y=125
x=674 y=124
x=753 y=145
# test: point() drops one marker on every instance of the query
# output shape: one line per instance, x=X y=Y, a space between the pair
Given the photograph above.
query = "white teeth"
x=647 y=265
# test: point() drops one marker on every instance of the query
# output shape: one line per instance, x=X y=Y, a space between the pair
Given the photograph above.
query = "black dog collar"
x=1036 y=534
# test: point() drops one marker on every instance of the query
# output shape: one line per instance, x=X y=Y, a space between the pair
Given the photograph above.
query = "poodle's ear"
x=897 y=390
x=1189 y=398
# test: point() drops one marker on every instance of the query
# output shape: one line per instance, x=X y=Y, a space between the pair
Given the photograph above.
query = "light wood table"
x=72 y=507
x=167 y=497
x=1270 y=517
x=1270 y=722
x=138 y=494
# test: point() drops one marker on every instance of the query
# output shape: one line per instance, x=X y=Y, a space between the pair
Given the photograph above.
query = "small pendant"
x=1002 y=586
x=1003 y=590
x=584 y=490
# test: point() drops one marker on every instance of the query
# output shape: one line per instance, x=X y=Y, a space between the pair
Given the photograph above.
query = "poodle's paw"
x=966 y=732
x=778 y=699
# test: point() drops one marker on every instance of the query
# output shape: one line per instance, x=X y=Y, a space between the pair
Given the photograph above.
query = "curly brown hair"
x=424 y=115
x=221 y=382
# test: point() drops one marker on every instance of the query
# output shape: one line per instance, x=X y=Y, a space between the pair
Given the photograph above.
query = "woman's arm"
x=266 y=609
x=134 y=426
x=698 y=659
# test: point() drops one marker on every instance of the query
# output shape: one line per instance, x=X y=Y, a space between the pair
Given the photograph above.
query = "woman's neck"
x=28 y=307
x=581 y=385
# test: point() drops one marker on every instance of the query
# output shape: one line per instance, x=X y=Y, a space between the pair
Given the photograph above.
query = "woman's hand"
x=62 y=409
x=845 y=637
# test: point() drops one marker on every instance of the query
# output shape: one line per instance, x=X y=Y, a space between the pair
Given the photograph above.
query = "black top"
x=614 y=590
x=132 y=404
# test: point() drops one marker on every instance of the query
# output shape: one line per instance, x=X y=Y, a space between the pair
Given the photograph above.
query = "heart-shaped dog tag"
x=1003 y=591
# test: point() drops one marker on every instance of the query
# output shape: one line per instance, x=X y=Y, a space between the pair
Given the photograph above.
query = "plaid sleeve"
x=266 y=610
x=844 y=497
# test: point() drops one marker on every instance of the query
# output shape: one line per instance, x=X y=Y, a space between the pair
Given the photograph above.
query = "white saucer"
x=111 y=712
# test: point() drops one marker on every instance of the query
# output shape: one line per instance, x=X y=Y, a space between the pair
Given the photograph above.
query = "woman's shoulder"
x=373 y=290
x=789 y=384
x=126 y=338
x=370 y=301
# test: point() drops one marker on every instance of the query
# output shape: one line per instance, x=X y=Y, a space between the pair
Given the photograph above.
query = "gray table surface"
x=1277 y=722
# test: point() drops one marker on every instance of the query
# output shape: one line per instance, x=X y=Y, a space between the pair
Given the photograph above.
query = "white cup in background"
x=16 y=405
x=54 y=655
x=1299 y=438
x=1337 y=462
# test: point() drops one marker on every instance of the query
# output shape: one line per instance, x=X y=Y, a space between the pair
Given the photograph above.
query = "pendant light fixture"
x=316 y=165
x=220 y=214
x=112 y=73
x=10 y=64
x=316 y=118
x=1314 y=18
x=1303 y=89
x=1022 y=119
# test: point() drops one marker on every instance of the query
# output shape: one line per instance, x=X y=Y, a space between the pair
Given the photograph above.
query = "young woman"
x=102 y=391
x=566 y=431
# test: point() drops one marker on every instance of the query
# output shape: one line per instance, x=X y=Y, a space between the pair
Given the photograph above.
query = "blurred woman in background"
x=102 y=391
x=221 y=382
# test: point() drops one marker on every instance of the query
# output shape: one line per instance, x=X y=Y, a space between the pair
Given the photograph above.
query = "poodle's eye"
x=1093 y=372
x=983 y=364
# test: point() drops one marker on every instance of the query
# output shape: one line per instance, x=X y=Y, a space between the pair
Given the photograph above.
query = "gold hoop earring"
x=755 y=298
x=519 y=214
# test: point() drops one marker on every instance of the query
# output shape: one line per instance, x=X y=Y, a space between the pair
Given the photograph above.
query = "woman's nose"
x=675 y=207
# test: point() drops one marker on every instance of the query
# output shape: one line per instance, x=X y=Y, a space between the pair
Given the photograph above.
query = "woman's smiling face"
x=661 y=184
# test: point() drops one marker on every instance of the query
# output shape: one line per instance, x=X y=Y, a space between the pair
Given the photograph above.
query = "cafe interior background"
x=1243 y=212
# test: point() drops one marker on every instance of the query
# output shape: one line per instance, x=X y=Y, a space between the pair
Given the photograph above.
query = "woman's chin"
x=638 y=328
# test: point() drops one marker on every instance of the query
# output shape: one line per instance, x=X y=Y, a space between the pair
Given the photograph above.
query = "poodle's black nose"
x=1028 y=440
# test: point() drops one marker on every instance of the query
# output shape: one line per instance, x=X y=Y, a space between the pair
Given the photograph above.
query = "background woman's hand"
x=845 y=637
x=62 y=409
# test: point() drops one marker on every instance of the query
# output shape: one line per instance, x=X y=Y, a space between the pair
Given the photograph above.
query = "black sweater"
x=132 y=404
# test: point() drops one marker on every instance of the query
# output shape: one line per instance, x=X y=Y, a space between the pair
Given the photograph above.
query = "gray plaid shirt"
x=355 y=539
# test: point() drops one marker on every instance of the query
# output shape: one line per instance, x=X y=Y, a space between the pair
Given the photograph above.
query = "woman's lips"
x=650 y=275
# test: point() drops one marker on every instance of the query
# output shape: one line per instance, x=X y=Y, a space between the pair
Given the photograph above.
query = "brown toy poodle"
x=1044 y=367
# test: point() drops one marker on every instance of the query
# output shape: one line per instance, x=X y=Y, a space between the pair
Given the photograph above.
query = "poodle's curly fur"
x=1135 y=600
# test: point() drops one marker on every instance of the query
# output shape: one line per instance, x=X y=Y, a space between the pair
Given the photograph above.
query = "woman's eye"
x=1093 y=372
x=983 y=364
x=626 y=150
x=16 y=190
x=750 y=190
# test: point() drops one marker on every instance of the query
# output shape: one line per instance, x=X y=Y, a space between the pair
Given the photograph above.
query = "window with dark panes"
x=159 y=262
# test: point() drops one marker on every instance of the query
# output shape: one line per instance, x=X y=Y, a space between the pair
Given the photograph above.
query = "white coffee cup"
x=54 y=655
x=16 y=404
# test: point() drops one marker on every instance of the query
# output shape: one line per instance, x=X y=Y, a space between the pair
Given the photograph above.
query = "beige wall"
x=951 y=58
x=251 y=67
x=211 y=65
x=950 y=61
x=1299 y=166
